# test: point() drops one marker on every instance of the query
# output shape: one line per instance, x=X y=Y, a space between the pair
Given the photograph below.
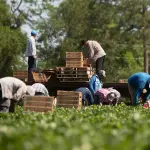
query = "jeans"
x=31 y=67
x=100 y=64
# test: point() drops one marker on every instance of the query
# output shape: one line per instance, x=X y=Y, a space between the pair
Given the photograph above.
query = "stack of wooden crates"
x=74 y=71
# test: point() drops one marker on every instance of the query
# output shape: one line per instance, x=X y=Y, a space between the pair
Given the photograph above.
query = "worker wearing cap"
x=31 y=53
x=139 y=86
x=11 y=91
x=94 y=53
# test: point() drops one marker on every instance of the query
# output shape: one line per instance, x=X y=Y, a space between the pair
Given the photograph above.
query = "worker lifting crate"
x=38 y=103
x=69 y=99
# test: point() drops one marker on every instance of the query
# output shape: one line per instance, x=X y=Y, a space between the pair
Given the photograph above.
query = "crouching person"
x=139 y=86
x=101 y=96
x=11 y=91
x=114 y=96
x=40 y=89
x=86 y=95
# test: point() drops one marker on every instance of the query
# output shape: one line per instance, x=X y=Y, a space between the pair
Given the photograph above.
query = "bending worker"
x=11 y=91
x=86 y=95
x=139 y=86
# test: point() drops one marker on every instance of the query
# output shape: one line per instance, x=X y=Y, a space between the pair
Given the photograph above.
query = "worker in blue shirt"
x=95 y=81
x=86 y=95
x=139 y=86
x=96 y=84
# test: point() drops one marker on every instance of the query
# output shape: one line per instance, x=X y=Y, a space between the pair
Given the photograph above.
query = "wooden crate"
x=74 y=55
x=39 y=77
x=22 y=75
x=71 y=74
x=38 y=103
x=74 y=59
x=69 y=99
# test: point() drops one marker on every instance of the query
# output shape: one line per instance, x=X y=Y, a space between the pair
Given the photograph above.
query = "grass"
x=94 y=128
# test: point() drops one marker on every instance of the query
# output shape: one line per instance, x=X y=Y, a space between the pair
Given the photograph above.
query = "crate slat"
x=59 y=92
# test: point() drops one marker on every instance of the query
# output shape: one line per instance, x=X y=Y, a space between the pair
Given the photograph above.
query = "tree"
x=12 y=42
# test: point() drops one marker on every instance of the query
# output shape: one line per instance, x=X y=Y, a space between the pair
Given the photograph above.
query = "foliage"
x=12 y=42
x=120 y=127
x=117 y=25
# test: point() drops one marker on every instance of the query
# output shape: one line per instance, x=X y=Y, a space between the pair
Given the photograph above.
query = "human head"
x=82 y=42
x=34 y=33
x=101 y=74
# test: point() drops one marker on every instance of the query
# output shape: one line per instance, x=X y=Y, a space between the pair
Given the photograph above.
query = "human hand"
x=35 y=56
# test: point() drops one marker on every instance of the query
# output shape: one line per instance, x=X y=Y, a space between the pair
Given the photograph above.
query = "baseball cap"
x=34 y=32
x=102 y=73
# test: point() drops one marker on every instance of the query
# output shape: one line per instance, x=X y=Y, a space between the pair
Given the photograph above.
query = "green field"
x=94 y=128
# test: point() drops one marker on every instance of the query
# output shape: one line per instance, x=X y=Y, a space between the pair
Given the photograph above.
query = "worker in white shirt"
x=40 y=89
x=11 y=91
x=31 y=53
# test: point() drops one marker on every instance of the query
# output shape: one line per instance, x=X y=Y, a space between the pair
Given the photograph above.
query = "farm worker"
x=139 y=86
x=40 y=89
x=116 y=93
x=86 y=95
x=94 y=54
x=31 y=53
x=101 y=95
x=11 y=91
x=95 y=82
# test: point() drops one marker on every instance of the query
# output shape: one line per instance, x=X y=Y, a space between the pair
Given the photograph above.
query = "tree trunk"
x=145 y=41
x=145 y=58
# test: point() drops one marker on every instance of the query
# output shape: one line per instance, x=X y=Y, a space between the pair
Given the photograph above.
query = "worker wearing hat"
x=139 y=86
x=31 y=53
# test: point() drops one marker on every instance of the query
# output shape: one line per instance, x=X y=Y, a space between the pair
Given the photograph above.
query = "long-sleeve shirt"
x=86 y=94
x=40 y=88
x=102 y=95
x=138 y=82
x=95 y=83
x=95 y=51
x=31 y=47
x=12 y=88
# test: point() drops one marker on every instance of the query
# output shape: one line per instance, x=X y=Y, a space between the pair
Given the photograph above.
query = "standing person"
x=86 y=95
x=139 y=86
x=40 y=89
x=96 y=54
x=11 y=91
x=31 y=53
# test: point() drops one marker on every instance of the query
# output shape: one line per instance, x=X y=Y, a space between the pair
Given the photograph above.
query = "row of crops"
x=93 y=128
